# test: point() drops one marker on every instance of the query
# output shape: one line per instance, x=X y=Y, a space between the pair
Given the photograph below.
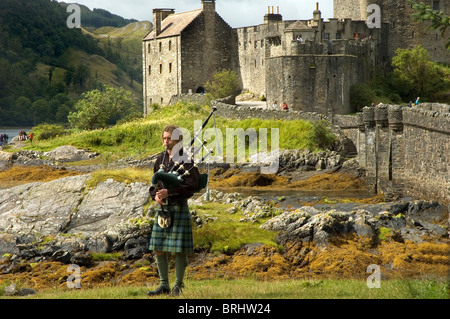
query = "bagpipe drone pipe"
x=175 y=176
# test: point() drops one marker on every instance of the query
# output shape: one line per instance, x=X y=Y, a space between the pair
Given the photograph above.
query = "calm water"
x=13 y=132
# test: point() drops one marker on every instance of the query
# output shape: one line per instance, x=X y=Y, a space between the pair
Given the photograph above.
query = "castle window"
x=338 y=36
x=170 y=45
x=170 y=67
x=160 y=46
x=149 y=48
x=162 y=101
x=326 y=36
x=160 y=68
x=262 y=43
x=149 y=70
x=436 y=5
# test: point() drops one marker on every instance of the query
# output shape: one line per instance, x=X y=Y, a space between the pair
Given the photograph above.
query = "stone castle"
x=315 y=74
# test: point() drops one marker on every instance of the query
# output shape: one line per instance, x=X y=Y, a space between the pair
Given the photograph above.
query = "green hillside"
x=45 y=66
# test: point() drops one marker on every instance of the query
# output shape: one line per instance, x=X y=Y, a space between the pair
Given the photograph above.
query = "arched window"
x=200 y=90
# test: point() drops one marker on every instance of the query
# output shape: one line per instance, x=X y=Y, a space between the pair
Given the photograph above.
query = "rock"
x=26 y=291
x=44 y=208
x=68 y=153
x=432 y=212
x=12 y=290
x=281 y=222
x=135 y=248
x=109 y=203
x=82 y=258
x=62 y=256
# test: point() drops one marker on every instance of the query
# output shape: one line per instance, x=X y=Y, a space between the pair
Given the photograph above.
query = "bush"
x=361 y=95
x=225 y=83
x=48 y=131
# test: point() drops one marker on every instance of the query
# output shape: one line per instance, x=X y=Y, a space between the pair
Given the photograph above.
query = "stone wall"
x=225 y=109
x=317 y=77
x=162 y=70
x=206 y=49
x=399 y=28
x=406 y=151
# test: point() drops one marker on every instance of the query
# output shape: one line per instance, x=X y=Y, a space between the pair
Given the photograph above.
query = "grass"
x=124 y=175
x=226 y=234
x=141 y=138
x=254 y=289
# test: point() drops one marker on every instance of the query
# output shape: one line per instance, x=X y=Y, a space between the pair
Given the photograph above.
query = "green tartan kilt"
x=177 y=238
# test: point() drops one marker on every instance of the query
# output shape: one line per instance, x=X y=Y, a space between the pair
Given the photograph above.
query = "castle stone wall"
x=162 y=70
x=406 y=151
x=399 y=28
x=206 y=49
x=317 y=81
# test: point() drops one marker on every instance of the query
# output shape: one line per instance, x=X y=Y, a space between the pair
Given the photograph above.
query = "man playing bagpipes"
x=173 y=231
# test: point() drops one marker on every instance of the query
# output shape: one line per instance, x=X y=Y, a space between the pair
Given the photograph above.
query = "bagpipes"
x=174 y=178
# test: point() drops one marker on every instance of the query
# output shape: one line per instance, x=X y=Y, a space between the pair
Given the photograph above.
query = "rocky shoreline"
x=65 y=221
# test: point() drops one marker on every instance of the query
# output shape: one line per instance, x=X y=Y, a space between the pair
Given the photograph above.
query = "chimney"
x=317 y=22
x=209 y=5
x=158 y=17
x=271 y=16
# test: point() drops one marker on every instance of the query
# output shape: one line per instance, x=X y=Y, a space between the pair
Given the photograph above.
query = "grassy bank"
x=141 y=137
x=254 y=289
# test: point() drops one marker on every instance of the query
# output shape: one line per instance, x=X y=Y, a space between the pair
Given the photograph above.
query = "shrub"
x=225 y=83
x=48 y=131
x=361 y=95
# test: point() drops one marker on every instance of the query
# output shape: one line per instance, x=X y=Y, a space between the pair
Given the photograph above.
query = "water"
x=289 y=199
x=13 y=131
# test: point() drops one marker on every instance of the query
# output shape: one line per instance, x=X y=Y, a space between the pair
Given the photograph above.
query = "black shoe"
x=159 y=291
x=176 y=291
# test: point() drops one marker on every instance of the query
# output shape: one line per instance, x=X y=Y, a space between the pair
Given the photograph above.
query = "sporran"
x=165 y=218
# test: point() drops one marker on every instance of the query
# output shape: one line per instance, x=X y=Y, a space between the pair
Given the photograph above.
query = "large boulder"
x=68 y=153
x=65 y=215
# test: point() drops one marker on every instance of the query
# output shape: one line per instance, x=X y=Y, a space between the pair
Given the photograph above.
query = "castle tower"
x=398 y=26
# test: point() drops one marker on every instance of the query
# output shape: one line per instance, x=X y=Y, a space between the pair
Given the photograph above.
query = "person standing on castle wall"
x=299 y=39
x=417 y=101
x=275 y=105
x=410 y=104
x=285 y=107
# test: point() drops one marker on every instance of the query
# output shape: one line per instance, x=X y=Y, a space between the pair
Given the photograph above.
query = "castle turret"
x=318 y=22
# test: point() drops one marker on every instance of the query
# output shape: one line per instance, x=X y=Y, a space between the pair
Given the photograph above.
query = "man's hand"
x=161 y=195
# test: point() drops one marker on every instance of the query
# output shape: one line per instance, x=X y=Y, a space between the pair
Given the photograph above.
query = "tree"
x=439 y=20
x=97 y=107
x=361 y=95
x=225 y=83
x=416 y=74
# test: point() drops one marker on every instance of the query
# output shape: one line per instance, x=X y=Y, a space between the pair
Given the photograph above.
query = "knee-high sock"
x=181 y=262
x=163 y=269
